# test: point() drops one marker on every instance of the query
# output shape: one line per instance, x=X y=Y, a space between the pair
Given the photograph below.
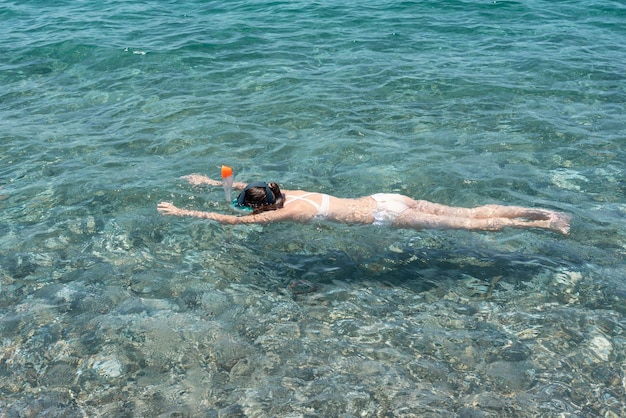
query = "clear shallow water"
x=109 y=309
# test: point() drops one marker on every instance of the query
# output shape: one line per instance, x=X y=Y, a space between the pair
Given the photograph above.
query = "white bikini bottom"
x=389 y=207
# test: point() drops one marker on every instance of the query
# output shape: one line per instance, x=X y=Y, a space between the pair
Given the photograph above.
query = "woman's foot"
x=559 y=222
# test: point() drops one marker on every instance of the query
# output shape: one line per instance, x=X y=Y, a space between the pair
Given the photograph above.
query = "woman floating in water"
x=267 y=203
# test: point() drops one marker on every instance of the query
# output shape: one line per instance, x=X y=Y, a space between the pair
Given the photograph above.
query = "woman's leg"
x=500 y=211
x=480 y=212
x=415 y=219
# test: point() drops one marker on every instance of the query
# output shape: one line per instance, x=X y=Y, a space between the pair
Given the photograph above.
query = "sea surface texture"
x=108 y=308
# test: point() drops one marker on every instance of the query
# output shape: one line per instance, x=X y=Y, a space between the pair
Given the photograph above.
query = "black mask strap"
x=269 y=195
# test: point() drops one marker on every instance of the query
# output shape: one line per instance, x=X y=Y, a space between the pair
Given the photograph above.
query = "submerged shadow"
x=418 y=269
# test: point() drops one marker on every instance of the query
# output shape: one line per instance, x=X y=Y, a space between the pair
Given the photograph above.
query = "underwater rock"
x=302 y=286
x=509 y=376
x=107 y=366
x=429 y=370
x=214 y=302
x=243 y=367
x=18 y=265
x=466 y=412
x=50 y=404
x=600 y=347
x=60 y=374
x=515 y=351
x=232 y=411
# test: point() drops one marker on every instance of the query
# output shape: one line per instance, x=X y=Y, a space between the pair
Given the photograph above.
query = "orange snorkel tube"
x=227 y=176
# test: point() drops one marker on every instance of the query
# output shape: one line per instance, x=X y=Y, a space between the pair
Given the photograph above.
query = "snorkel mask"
x=269 y=195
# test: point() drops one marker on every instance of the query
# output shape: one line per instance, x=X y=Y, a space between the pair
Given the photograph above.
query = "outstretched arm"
x=199 y=179
x=167 y=208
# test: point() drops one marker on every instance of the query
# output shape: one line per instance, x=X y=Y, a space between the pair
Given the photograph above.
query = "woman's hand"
x=198 y=179
x=168 y=208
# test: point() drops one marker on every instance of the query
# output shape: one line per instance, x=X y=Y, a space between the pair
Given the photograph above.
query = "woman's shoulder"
x=295 y=192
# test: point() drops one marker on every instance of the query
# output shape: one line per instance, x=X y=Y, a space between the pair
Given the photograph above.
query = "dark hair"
x=261 y=197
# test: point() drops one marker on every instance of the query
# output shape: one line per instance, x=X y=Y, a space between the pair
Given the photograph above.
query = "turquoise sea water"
x=109 y=309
